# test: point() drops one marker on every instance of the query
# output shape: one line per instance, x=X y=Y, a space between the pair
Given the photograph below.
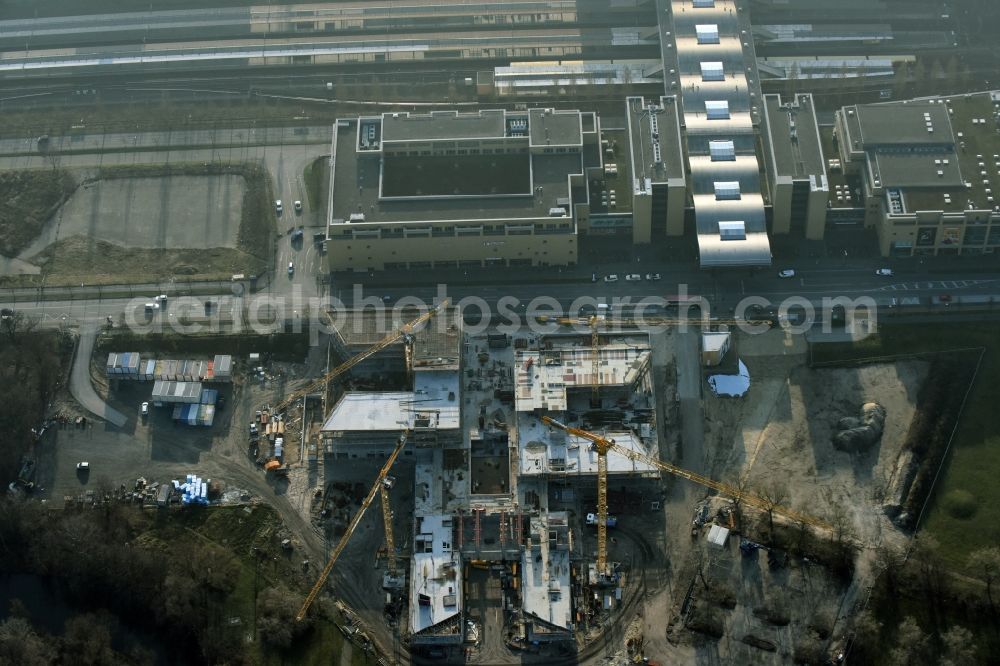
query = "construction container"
x=176 y=392
x=222 y=368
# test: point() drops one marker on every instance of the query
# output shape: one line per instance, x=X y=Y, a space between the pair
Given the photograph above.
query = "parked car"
x=652 y=277
x=593 y=277
x=611 y=278
x=884 y=272
x=144 y=410
x=787 y=273
x=633 y=277
x=298 y=206
x=291 y=267
x=278 y=207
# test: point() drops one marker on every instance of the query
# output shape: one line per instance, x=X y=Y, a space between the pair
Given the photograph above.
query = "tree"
x=889 y=560
x=19 y=644
x=88 y=639
x=867 y=633
x=959 y=648
x=986 y=564
x=926 y=553
x=774 y=495
x=912 y=644
x=276 y=624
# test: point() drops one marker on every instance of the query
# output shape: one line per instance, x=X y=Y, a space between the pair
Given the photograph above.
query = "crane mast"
x=390 y=541
x=379 y=483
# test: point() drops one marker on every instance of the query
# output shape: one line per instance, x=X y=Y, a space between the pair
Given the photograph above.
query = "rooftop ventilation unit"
x=712 y=71
x=722 y=151
x=727 y=190
x=732 y=231
x=707 y=33
x=717 y=110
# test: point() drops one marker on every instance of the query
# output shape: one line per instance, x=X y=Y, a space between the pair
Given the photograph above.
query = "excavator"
x=603 y=445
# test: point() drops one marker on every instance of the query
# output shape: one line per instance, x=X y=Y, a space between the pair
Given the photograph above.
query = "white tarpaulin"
x=731 y=386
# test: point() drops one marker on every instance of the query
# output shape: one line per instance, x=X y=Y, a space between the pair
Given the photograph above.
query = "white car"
x=611 y=278
x=278 y=207
x=633 y=277
x=291 y=267
x=787 y=273
x=144 y=410
x=298 y=206
x=83 y=466
x=652 y=277
x=884 y=272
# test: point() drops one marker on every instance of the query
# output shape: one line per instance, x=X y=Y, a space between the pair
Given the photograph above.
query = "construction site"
x=600 y=488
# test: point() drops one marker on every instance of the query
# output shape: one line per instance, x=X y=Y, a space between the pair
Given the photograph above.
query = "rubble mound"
x=859 y=434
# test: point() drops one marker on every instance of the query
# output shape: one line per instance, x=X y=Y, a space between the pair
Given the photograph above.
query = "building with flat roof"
x=721 y=118
x=435 y=584
x=365 y=424
x=545 y=574
x=930 y=170
x=659 y=183
x=450 y=189
x=796 y=172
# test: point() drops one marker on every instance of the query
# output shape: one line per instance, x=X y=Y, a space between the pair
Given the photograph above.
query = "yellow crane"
x=379 y=484
x=404 y=330
x=390 y=540
x=603 y=445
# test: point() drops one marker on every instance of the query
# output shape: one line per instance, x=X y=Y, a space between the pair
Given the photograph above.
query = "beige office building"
x=930 y=171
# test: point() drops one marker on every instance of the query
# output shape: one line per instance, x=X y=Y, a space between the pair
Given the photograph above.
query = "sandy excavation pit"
x=782 y=433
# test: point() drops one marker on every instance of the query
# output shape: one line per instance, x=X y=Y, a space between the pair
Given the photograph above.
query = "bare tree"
x=276 y=608
x=889 y=560
x=912 y=644
x=959 y=647
x=867 y=633
x=774 y=495
x=926 y=553
x=19 y=644
x=986 y=563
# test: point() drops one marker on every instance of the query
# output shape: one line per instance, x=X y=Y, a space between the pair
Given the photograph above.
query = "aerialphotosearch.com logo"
x=267 y=314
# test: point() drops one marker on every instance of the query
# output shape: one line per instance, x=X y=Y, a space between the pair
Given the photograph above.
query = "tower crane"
x=390 y=540
x=379 y=484
x=402 y=331
x=603 y=445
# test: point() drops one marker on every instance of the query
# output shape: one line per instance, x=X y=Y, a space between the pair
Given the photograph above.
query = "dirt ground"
x=780 y=432
x=167 y=212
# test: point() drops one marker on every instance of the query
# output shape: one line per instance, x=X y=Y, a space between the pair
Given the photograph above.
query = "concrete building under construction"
x=489 y=477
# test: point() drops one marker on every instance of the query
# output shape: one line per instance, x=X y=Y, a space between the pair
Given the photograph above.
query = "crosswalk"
x=934 y=284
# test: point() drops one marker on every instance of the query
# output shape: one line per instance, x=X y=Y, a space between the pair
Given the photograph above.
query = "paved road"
x=510 y=300
x=79 y=380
